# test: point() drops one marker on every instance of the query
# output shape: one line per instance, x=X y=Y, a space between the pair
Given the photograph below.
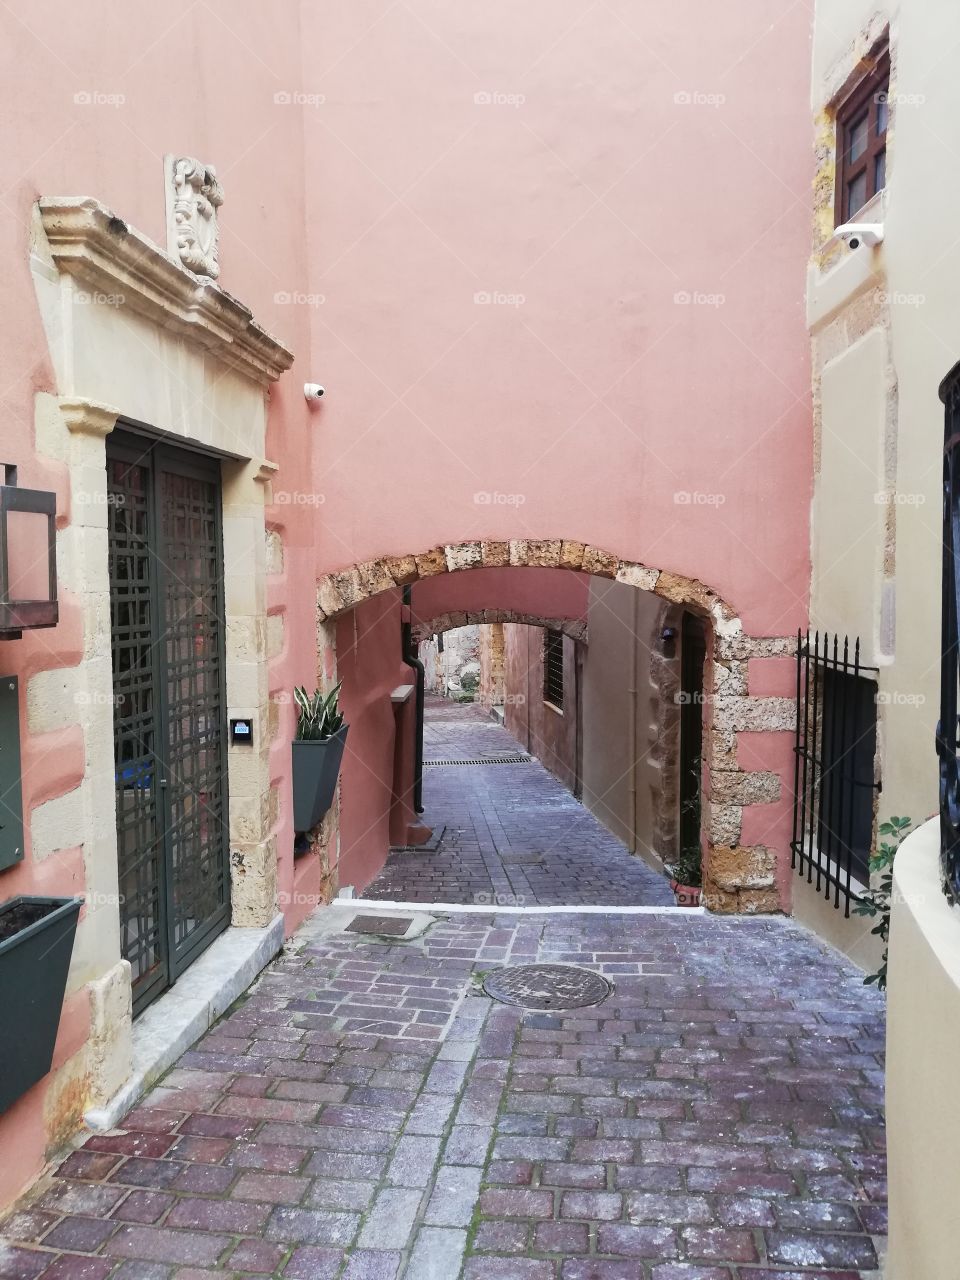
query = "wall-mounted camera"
x=857 y=233
x=313 y=391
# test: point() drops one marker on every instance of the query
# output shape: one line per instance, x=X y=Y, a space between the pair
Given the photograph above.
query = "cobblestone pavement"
x=514 y=834
x=367 y=1113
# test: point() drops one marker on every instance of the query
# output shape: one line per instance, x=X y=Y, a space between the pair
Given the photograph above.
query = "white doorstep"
x=179 y=1017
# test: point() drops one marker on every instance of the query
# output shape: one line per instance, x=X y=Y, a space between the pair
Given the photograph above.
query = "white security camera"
x=312 y=391
x=858 y=233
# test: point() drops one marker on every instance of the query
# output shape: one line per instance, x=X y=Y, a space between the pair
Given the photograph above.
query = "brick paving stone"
x=688 y=1271
x=21 y=1264
x=310 y=1263
x=27 y=1225
x=455 y=1193
x=498 y=1236
x=142 y=1271
x=595 y=1269
x=629 y=1241
x=509 y=1269
x=145 y=1207
x=71 y=1266
x=812 y=1249
x=719 y=1244
x=561 y=1237
x=270 y=1188
x=370 y=1264
x=413 y=1161
x=595 y=1206
x=332 y=1193
x=391 y=1219
x=257 y=1256
x=311 y=1226
x=517 y=1204
x=437 y=1254
x=81 y=1235
x=157 y=1244
x=468 y=1144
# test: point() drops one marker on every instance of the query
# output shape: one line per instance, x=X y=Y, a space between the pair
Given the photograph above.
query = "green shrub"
x=876 y=902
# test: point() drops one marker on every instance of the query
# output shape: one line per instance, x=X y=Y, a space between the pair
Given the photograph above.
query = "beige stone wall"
x=492 y=659
x=885 y=330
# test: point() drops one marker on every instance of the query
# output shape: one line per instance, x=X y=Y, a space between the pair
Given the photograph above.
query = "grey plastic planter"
x=316 y=766
x=36 y=942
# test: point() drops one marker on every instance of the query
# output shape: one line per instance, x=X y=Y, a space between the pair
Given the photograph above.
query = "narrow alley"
x=711 y=1110
x=367 y=1112
x=507 y=833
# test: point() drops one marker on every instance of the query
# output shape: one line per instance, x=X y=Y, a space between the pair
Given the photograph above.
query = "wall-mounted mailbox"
x=11 y=801
x=241 y=732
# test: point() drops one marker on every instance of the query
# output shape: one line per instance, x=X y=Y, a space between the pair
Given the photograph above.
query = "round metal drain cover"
x=547 y=986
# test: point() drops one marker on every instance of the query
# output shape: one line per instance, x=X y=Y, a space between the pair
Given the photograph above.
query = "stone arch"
x=738 y=876
x=424 y=628
x=343 y=590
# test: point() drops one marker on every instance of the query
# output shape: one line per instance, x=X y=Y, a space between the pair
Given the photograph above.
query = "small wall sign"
x=241 y=733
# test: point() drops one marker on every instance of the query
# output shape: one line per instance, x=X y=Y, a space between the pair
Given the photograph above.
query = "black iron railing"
x=947 y=736
x=834 y=779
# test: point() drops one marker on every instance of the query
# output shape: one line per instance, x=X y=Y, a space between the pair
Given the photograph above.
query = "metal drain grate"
x=389 y=926
x=547 y=986
x=516 y=759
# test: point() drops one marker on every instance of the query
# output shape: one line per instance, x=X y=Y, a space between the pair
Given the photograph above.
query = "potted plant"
x=317 y=752
x=686 y=875
x=36 y=942
x=685 y=878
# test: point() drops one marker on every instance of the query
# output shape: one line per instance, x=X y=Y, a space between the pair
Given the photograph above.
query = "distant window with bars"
x=553 y=668
x=835 y=785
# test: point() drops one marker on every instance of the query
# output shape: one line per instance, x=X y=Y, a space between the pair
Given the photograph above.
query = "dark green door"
x=169 y=706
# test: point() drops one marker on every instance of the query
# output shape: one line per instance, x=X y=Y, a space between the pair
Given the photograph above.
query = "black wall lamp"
x=28 y=558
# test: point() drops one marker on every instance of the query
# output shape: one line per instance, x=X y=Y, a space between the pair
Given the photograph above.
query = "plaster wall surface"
x=548 y=732
x=923 y=1042
x=516 y=299
x=886 y=331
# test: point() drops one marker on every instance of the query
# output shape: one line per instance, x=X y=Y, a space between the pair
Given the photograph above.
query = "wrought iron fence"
x=947 y=735
x=834 y=780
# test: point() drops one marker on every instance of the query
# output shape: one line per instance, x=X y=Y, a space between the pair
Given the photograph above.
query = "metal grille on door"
x=166 y=574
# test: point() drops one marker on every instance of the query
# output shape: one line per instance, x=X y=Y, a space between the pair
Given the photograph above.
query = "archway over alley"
x=745 y=812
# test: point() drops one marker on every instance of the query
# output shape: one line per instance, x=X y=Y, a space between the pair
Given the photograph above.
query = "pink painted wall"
x=198 y=80
x=539 y=728
x=370 y=665
x=605 y=199
x=548 y=593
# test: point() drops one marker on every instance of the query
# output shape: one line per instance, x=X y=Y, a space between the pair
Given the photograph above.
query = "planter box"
x=316 y=767
x=36 y=942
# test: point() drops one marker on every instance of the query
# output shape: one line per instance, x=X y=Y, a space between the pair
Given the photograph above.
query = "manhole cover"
x=547 y=986
x=391 y=926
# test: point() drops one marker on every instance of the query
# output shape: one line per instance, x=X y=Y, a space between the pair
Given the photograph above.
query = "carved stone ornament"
x=193 y=197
